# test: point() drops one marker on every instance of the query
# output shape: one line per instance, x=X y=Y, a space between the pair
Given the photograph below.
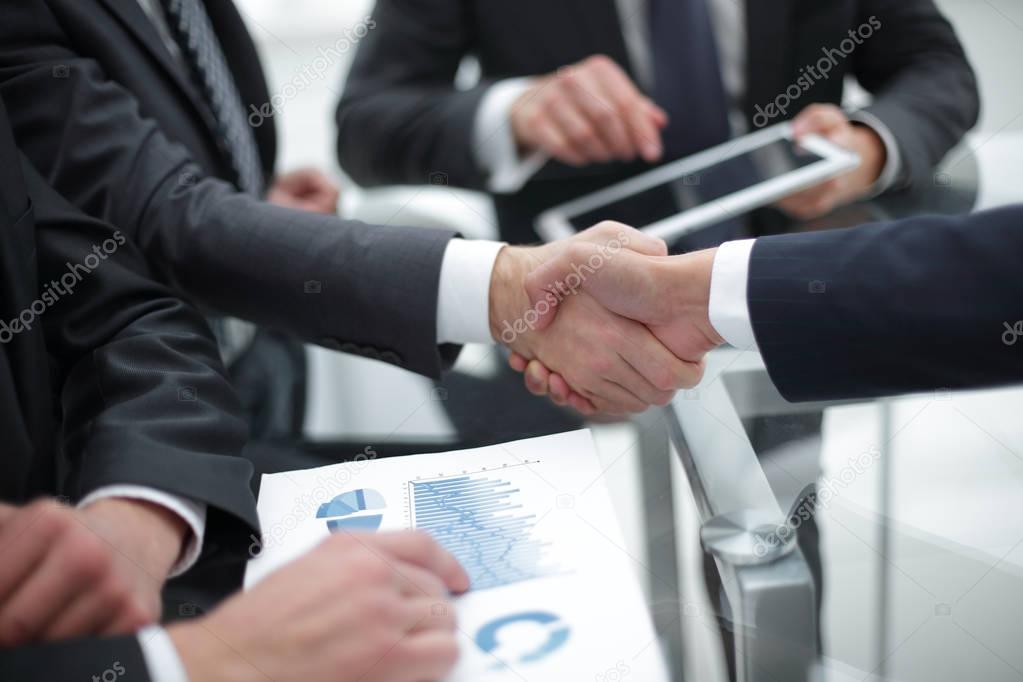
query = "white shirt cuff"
x=729 y=305
x=191 y=512
x=496 y=150
x=463 y=301
x=892 y=170
x=162 y=659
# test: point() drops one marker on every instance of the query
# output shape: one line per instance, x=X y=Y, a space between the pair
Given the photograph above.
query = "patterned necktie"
x=687 y=75
x=191 y=28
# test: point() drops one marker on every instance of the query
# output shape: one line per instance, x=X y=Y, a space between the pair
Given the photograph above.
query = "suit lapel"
x=134 y=18
x=768 y=25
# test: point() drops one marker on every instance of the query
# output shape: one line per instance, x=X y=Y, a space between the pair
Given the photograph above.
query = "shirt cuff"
x=162 y=659
x=729 y=305
x=496 y=150
x=891 y=174
x=463 y=301
x=192 y=513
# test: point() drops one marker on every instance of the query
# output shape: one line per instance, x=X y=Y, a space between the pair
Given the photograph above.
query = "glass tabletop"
x=864 y=541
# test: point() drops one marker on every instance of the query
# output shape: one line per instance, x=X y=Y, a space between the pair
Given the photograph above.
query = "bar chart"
x=479 y=520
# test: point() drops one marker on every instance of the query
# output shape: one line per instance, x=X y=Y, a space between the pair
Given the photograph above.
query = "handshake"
x=605 y=322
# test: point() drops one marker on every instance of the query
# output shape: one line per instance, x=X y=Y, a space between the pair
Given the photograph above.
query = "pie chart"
x=355 y=510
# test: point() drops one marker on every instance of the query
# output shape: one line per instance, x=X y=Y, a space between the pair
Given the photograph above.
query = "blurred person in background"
x=577 y=95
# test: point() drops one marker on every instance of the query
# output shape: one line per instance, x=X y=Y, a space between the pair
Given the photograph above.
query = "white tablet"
x=704 y=189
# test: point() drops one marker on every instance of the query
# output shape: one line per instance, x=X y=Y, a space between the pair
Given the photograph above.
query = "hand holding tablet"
x=709 y=187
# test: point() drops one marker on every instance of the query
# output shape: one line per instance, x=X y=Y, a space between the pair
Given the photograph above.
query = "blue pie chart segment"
x=348 y=511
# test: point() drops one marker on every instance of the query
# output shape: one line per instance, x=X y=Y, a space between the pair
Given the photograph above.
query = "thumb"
x=818 y=118
x=643 y=243
x=549 y=285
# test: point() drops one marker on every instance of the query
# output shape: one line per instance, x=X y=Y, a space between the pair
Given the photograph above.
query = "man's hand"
x=668 y=295
x=590 y=112
x=360 y=607
x=830 y=122
x=70 y=573
x=615 y=363
x=306 y=189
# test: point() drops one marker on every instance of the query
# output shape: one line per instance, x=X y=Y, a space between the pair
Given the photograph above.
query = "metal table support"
x=766 y=578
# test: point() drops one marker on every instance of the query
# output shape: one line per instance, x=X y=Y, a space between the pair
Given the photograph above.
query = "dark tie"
x=688 y=85
x=687 y=76
x=191 y=28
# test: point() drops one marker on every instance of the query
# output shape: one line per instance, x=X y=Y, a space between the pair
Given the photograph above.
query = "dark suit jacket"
x=100 y=107
x=144 y=399
x=892 y=308
x=400 y=118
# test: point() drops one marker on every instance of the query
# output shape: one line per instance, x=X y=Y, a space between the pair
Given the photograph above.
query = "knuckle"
x=89 y=560
x=51 y=518
x=582 y=135
x=599 y=62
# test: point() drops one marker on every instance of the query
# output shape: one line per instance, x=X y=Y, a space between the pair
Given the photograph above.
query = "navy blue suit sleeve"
x=891 y=308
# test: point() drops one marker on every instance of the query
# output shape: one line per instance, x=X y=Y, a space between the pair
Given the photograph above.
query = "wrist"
x=204 y=657
x=690 y=278
x=873 y=153
x=152 y=535
x=509 y=302
x=518 y=115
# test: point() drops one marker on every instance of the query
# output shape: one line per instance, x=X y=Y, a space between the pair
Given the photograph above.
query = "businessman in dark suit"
x=646 y=81
x=144 y=441
x=99 y=103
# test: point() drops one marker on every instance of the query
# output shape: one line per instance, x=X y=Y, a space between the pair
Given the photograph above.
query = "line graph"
x=477 y=517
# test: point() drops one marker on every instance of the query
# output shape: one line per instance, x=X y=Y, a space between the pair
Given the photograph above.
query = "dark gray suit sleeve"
x=76 y=659
x=924 y=88
x=145 y=398
x=400 y=119
x=369 y=290
x=922 y=304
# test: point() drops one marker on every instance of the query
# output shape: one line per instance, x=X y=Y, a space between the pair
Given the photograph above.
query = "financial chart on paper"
x=480 y=518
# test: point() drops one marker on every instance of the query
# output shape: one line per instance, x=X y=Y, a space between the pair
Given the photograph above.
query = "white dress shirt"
x=497 y=151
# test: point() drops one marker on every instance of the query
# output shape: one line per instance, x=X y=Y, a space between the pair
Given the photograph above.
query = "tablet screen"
x=714 y=181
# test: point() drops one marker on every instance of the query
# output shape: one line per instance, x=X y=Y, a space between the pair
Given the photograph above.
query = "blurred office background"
x=956 y=462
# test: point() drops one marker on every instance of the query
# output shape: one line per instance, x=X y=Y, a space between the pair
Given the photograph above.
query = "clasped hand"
x=599 y=321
